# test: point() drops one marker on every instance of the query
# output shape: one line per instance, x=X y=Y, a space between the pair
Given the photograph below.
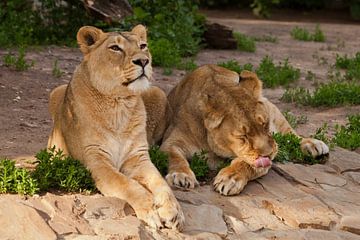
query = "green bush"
x=348 y=136
x=233 y=65
x=245 y=43
x=16 y=180
x=272 y=75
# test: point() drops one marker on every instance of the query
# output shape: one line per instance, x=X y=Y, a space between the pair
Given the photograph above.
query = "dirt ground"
x=25 y=122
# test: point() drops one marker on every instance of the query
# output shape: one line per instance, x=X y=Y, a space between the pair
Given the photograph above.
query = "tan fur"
x=100 y=119
x=224 y=113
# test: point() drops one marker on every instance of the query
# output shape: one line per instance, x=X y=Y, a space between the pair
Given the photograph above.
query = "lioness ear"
x=213 y=120
x=140 y=30
x=212 y=116
x=251 y=82
x=88 y=36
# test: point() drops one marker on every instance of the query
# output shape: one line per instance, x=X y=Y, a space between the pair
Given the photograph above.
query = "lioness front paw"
x=314 y=147
x=229 y=183
x=169 y=210
x=182 y=179
x=150 y=217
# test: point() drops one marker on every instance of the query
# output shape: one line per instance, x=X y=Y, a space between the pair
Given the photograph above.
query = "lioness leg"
x=147 y=175
x=278 y=123
x=232 y=179
x=179 y=174
x=111 y=182
x=157 y=113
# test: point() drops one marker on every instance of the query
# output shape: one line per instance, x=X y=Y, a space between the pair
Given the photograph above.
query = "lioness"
x=100 y=119
x=225 y=113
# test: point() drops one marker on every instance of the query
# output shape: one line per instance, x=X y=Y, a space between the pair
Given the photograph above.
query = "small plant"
x=289 y=150
x=198 y=165
x=304 y=35
x=159 y=159
x=16 y=180
x=19 y=62
x=310 y=76
x=187 y=65
x=233 y=65
x=56 y=71
x=164 y=53
x=293 y=120
x=348 y=136
x=351 y=65
x=56 y=171
x=245 y=43
x=266 y=38
x=296 y=95
x=273 y=75
x=322 y=134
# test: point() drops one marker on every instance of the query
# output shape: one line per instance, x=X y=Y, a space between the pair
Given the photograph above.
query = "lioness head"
x=116 y=60
x=237 y=122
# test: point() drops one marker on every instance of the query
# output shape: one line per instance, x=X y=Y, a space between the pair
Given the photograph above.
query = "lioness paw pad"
x=314 y=147
x=182 y=180
x=228 y=185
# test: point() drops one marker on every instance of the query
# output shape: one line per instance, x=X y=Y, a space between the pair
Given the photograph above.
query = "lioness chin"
x=100 y=119
x=217 y=110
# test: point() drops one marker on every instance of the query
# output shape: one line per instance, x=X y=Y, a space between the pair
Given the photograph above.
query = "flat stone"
x=203 y=236
x=203 y=218
x=19 y=221
x=355 y=176
x=127 y=227
x=310 y=175
x=351 y=224
x=343 y=160
x=237 y=226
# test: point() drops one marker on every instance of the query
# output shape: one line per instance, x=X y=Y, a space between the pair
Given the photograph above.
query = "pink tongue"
x=262 y=162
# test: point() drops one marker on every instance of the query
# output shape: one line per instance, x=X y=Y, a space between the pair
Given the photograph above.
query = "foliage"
x=244 y=43
x=351 y=65
x=164 y=53
x=322 y=134
x=348 y=136
x=262 y=7
x=16 y=180
x=289 y=150
x=331 y=94
x=304 y=35
x=56 y=71
x=19 y=63
x=233 y=65
x=273 y=75
x=294 y=120
x=355 y=9
x=198 y=165
x=159 y=159
x=56 y=171
x=187 y=65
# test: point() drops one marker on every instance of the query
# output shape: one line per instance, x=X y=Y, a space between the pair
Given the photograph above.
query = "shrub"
x=164 y=53
x=273 y=75
x=304 y=35
x=244 y=43
x=351 y=65
x=348 y=136
x=233 y=65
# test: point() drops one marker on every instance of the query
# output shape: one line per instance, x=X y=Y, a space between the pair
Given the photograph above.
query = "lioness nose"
x=142 y=62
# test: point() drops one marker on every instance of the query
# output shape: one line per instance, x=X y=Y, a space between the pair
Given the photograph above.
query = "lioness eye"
x=143 y=46
x=115 y=48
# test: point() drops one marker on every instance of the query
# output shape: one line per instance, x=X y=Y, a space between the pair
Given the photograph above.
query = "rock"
x=203 y=218
x=343 y=160
x=237 y=226
x=18 y=220
x=355 y=176
x=310 y=175
x=351 y=224
x=125 y=228
x=204 y=236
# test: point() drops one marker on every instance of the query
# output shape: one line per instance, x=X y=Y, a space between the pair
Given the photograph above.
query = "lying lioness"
x=217 y=110
x=100 y=119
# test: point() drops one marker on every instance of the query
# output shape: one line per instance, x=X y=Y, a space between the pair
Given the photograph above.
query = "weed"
x=267 y=38
x=310 y=76
x=296 y=95
x=304 y=35
x=273 y=75
x=198 y=165
x=244 y=43
x=289 y=150
x=352 y=66
x=322 y=134
x=16 y=180
x=18 y=63
x=348 y=136
x=56 y=71
x=159 y=159
x=293 y=120
x=233 y=65
x=56 y=171
x=187 y=65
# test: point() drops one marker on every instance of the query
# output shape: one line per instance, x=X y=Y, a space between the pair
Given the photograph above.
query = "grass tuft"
x=244 y=43
x=198 y=165
x=351 y=65
x=348 y=136
x=18 y=62
x=294 y=120
x=233 y=65
x=304 y=35
x=159 y=159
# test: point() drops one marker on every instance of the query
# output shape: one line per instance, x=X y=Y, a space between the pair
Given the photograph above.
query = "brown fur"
x=219 y=111
x=100 y=119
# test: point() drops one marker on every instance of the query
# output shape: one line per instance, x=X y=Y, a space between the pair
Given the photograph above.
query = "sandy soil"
x=25 y=122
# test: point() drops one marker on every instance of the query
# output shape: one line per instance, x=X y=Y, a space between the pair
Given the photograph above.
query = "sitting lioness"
x=217 y=110
x=100 y=119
